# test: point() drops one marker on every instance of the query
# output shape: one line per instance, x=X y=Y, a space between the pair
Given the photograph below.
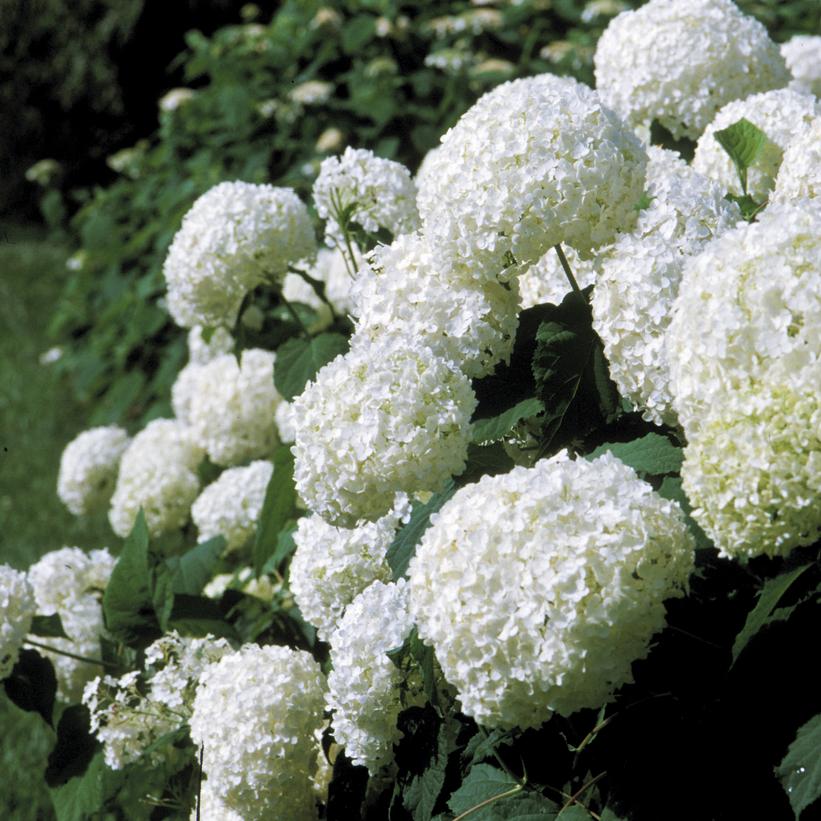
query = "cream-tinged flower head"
x=539 y=588
x=803 y=56
x=782 y=115
x=535 y=162
x=232 y=407
x=379 y=193
x=400 y=291
x=255 y=714
x=230 y=506
x=17 y=607
x=799 y=177
x=745 y=361
x=545 y=280
x=380 y=419
x=333 y=565
x=235 y=236
x=679 y=61
x=219 y=342
x=366 y=691
x=88 y=469
x=158 y=473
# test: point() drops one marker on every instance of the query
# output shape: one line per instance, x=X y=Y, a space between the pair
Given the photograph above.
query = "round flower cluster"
x=535 y=162
x=745 y=362
x=285 y=422
x=639 y=277
x=232 y=407
x=234 y=237
x=333 y=565
x=401 y=292
x=782 y=115
x=88 y=469
x=545 y=280
x=367 y=190
x=255 y=714
x=199 y=351
x=799 y=177
x=231 y=505
x=539 y=588
x=70 y=583
x=17 y=607
x=332 y=270
x=380 y=419
x=802 y=54
x=679 y=61
x=158 y=473
x=366 y=691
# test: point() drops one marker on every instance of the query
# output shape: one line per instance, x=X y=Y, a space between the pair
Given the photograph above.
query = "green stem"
x=574 y=798
x=294 y=314
x=317 y=285
x=74 y=656
x=567 y=272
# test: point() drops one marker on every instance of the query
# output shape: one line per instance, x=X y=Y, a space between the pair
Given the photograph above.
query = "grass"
x=38 y=418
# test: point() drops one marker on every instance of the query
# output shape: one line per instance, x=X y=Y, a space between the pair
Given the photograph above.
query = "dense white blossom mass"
x=803 y=56
x=366 y=691
x=158 y=473
x=332 y=565
x=380 y=419
x=799 y=177
x=230 y=506
x=235 y=236
x=401 y=291
x=375 y=192
x=546 y=281
x=538 y=588
x=232 y=407
x=255 y=713
x=88 y=469
x=535 y=162
x=679 y=61
x=17 y=607
x=745 y=360
x=782 y=115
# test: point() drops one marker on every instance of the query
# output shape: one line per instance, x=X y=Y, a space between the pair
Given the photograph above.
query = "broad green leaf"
x=652 y=455
x=195 y=568
x=82 y=797
x=768 y=599
x=404 y=544
x=485 y=460
x=800 y=771
x=413 y=652
x=48 y=627
x=489 y=794
x=493 y=429
x=744 y=143
x=128 y=606
x=671 y=488
x=198 y=616
x=278 y=507
x=299 y=359
x=357 y=32
x=32 y=685
x=746 y=204
x=75 y=746
x=285 y=548
x=575 y=812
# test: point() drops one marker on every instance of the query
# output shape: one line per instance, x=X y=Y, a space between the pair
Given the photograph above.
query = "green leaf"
x=413 y=652
x=671 y=488
x=770 y=595
x=82 y=797
x=48 y=627
x=75 y=746
x=493 y=429
x=744 y=143
x=198 y=616
x=278 y=507
x=652 y=455
x=747 y=205
x=575 y=812
x=299 y=359
x=485 y=460
x=32 y=685
x=800 y=771
x=128 y=605
x=404 y=544
x=285 y=548
x=489 y=794
x=357 y=32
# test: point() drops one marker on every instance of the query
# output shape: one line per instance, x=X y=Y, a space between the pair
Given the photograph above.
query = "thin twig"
x=567 y=272
x=574 y=798
x=71 y=655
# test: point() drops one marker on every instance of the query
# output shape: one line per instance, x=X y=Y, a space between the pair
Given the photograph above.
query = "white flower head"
x=799 y=177
x=366 y=691
x=539 y=588
x=379 y=193
x=546 y=281
x=380 y=419
x=17 y=607
x=201 y=351
x=679 y=61
x=332 y=565
x=158 y=473
x=535 y=162
x=88 y=469
x=782 y=115
x=400 y=291
x=803 y=56
x=255 y=714
x=232 y=407
x=235 y=236
x=231 y=505
x=745 y=362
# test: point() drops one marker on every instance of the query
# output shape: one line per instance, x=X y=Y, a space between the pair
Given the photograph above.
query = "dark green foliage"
x=652 y=455
x=48 y=626
x=31 y=685
x=496 y=427
x=744 y=142
x=278 y=507
x=299 y=359
x=800 y=771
